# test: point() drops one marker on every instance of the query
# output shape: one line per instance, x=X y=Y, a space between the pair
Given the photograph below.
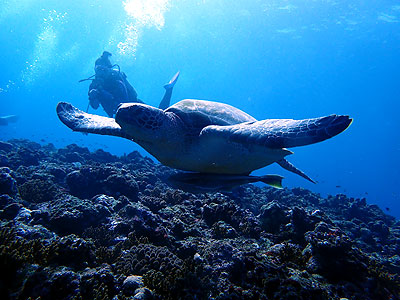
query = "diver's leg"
x=168 y=92
x=166 y=99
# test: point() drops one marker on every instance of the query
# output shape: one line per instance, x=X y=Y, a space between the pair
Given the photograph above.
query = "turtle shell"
x=197 y=114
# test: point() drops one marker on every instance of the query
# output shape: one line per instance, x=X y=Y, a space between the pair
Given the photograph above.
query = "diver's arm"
x=94 y=98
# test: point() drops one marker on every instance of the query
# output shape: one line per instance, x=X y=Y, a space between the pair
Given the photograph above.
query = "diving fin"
x=172 y=82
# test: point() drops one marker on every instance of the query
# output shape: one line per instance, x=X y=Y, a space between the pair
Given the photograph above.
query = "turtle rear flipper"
x=80 y=121
x=290 y=167
x=282 y=133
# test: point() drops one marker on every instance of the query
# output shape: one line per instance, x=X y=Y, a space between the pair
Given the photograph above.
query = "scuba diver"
x=110 y=87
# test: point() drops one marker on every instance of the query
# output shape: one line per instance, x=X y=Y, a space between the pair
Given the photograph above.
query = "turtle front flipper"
x=80 y=121
x=282 y=133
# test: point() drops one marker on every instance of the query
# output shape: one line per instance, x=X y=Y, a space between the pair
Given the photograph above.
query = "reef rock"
x=84 y=225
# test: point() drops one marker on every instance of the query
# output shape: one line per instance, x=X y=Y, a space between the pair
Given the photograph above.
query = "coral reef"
x=77 y=224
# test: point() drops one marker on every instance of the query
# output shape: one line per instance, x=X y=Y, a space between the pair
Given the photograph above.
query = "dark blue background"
x=272 y=59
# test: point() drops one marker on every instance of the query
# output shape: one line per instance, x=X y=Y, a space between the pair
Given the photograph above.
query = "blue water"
x=272 y=59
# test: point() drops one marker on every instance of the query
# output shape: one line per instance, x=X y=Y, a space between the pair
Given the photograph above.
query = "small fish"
x=208 y=183
x=8 y=119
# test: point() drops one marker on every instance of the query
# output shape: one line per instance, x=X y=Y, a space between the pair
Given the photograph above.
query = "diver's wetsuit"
x=110 y=88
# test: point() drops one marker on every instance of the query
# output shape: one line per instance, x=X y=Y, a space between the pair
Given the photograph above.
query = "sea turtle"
x=205 y=136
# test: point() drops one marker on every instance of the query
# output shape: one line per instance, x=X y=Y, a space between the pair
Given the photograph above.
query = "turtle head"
x=141 y=121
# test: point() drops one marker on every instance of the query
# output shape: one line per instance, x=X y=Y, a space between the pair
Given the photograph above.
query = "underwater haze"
x=272 y=59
